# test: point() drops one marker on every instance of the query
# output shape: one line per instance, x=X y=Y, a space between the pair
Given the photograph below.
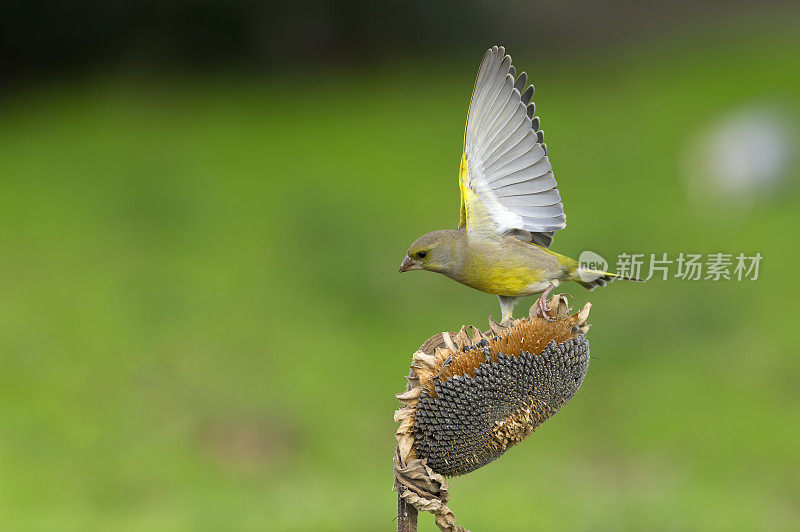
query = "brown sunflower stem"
x=406 y=513
x=406 y=516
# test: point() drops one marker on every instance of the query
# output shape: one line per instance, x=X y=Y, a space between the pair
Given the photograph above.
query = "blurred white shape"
x=742 y=157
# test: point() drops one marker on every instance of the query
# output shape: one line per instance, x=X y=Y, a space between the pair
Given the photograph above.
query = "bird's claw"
x=541 y=308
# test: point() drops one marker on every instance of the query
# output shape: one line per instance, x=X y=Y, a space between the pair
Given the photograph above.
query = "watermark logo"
x=684 y=266
x=591 y=266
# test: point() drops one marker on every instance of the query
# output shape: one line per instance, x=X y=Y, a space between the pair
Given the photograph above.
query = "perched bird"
x=510 y=206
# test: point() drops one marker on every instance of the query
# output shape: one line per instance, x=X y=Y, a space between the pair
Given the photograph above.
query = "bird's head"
x=434 y=251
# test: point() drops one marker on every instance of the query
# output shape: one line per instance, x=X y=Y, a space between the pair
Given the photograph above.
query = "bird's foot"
x=541 y=304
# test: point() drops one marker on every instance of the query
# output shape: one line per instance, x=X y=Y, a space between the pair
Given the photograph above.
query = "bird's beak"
x=409 y=265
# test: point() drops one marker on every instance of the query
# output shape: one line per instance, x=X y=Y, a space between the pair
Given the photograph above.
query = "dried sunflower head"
x=471 y=399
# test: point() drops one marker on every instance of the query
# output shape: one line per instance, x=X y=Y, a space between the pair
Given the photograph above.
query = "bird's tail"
x=591 y=279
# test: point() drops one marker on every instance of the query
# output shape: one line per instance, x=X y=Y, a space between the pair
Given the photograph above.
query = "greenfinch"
x=510 y=206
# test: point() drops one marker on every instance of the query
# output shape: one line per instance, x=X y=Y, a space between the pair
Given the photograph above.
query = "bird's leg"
x=507 y=309
x=542 y=302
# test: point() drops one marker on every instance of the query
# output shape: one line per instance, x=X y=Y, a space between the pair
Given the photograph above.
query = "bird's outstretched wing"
x=506 y=181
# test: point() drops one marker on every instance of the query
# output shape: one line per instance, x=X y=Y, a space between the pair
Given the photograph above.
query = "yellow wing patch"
x=463 y=176
x=475 y=217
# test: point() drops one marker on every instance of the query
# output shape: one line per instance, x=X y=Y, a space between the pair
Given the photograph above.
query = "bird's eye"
x=422 y=254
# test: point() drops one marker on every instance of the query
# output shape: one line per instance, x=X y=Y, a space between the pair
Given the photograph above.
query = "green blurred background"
x=201 y=321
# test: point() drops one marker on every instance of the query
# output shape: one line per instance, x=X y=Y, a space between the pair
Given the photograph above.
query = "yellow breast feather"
x=500 y=277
